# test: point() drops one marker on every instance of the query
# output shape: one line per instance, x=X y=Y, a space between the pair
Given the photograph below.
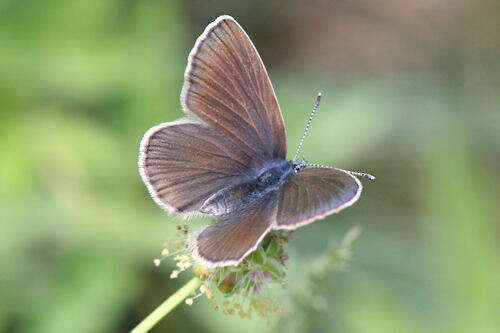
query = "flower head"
x=240 y=289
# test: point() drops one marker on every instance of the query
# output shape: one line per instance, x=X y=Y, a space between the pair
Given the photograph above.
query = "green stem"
x=167 y=306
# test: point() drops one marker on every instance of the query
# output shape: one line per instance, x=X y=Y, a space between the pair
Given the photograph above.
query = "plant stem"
x=154 y=317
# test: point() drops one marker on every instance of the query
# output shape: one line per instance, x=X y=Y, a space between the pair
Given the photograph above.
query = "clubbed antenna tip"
x=362 y=175
x=308 y=125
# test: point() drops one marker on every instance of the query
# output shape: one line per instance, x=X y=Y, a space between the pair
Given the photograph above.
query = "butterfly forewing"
x=184 y=162
x=227 y=86
x=313 y=194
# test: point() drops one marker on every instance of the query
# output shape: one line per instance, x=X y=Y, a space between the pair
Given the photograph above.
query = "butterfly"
x=227 y=158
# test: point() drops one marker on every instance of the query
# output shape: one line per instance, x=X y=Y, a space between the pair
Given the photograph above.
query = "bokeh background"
x=411 y=94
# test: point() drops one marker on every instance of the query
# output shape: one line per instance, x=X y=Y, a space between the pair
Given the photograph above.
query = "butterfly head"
x=298 y=165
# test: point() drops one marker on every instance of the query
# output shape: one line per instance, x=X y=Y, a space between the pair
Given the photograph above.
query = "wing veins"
x=233 y=133
x=252 y=125
x=243 y=71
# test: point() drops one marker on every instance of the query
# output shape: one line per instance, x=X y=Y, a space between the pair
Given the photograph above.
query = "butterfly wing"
x=313 y=194
x=229 y=241
x=184 y=162
x=226 y=85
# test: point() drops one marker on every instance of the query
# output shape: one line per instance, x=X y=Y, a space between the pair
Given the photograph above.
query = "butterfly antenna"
x=354 y=173
x=362 y=175
x=315 y=107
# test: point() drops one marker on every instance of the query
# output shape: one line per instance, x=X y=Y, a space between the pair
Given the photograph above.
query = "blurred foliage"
x=411 y=95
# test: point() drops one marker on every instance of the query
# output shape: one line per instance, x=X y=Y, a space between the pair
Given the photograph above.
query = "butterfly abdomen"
x=241 y=196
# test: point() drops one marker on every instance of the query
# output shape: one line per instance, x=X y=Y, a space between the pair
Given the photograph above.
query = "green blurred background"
x=411 y=90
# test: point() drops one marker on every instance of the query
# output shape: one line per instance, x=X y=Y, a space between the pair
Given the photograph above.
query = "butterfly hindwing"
x=314 y=193
x=229 y=241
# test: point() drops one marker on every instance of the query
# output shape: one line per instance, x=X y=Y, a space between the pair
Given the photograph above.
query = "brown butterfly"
x=227 y=158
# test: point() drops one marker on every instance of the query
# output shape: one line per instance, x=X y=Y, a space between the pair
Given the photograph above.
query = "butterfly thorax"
x=239 y=196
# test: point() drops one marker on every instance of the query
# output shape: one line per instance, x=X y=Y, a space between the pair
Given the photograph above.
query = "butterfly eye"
x=298 y=165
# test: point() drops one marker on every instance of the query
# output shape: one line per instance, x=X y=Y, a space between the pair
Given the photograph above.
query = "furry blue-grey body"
x=237 y=197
